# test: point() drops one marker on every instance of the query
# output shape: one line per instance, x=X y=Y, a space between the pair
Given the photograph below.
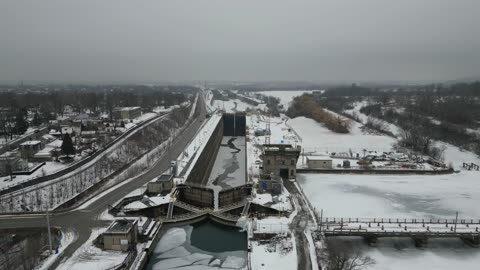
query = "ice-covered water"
x=402 y=196
x=204 y=245
x=229 y=167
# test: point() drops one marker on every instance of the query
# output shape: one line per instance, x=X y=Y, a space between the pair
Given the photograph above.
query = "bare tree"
x=343 y=256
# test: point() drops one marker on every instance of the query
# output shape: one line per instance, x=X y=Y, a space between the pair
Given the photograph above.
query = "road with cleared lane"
x=81 y=221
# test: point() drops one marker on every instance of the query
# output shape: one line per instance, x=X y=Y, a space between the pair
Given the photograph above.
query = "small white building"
x=319 y=162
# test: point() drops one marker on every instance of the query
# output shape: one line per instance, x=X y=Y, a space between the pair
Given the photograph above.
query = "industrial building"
x=30 y=148
x=127 y=112
x=280 y=160
x=121 y=235
x=319 y=162
x=161 y=184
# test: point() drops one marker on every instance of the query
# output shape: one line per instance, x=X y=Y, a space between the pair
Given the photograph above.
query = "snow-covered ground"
x=146 y=202
x=363 y=117
x=279 y=202
x=67 y=238
x=50 y=167
x=262 y=256
x=285 y=96
x=394 y=196
x=92 y=258
x=235 y=105
x=316 y=137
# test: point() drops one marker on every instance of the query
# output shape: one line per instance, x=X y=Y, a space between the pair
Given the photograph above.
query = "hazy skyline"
x=239 y=40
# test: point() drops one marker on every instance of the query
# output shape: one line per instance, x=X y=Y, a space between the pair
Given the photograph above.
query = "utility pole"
x=321 y=220
x=49 y=233
x=303 y=156
x=456 y=219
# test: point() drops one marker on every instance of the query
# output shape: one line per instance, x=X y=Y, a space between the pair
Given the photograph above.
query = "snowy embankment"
x=90 y=257
x=67 y=238
x=125 y=151
x=52 y=167
x=364 y=118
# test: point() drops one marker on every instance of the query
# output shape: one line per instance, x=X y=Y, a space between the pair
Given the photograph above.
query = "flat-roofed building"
x=319 y=162
x=280 y=160
x=29 y=148
x=127 y=112
x=121 y=235
x=163 y=183
x=272 y=184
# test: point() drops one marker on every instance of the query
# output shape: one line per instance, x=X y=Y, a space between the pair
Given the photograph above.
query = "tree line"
x=307 y=106
x=48 y=103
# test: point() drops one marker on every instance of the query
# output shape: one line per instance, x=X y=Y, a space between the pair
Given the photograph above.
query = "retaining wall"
x=373 y=171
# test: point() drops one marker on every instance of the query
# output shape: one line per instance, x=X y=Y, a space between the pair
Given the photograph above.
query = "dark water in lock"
x=213 y=237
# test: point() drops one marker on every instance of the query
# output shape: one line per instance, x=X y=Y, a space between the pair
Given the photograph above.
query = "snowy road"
x=82 y=221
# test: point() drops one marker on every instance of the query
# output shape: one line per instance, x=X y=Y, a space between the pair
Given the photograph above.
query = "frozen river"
x=402 y=196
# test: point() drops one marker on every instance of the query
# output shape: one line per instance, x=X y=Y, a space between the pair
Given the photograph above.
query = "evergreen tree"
x=67 y=145
x=36 y=119
x=21 y=124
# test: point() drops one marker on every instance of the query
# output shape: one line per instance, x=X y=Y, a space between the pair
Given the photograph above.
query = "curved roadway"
x=81 y=221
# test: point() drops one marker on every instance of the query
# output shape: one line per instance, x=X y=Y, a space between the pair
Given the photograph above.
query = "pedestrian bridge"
x=419 y=230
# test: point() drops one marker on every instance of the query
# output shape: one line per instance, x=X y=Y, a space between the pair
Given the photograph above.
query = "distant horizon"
x=92 y=41
x=279 y=81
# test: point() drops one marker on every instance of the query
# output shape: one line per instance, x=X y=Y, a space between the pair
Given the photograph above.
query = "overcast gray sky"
x=111 y=40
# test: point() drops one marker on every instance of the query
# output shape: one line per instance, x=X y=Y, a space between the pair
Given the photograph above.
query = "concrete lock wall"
x=234 y=124
x=198 y=196
x=234 y=195
x=231 y=124
x=203 y=166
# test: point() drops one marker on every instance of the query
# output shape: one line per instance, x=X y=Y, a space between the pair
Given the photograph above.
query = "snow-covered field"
x=92 y=258
x=50 y=167
x=263 y=258
x=363 y=117
x=235 y=105
x=316 y=137
x=285 y=96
